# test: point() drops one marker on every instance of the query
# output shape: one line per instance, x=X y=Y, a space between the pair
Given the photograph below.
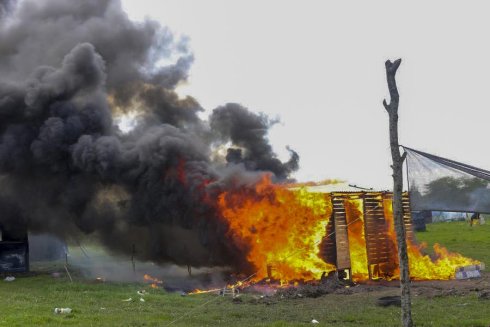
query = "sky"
x=318 y=65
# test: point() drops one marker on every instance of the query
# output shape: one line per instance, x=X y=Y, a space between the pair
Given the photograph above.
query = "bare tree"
x=392 y=109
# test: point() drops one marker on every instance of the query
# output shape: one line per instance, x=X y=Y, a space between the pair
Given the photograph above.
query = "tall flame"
x=357 y=239
x=280 y=228
x=281 y=231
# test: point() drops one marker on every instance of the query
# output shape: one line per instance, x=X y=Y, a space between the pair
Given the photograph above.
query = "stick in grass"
x=66 y=268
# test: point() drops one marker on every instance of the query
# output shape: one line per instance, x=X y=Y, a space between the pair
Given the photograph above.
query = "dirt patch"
x=427 y=289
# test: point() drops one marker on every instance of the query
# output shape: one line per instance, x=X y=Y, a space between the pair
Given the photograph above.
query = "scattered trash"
x=100 y=280
x=314 y=321
x=142 y=300
x=128 y=300
x=468 y=274
x=141 y=292
x=62 y=310
x=102 y=308
x=9 y=279
x=471 y=271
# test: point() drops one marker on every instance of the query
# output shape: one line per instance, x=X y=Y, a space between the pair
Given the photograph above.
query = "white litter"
x=9 y=279
x=142 y=300
x=142 y=292
x=128 y=300
x=314 y=321
x=468 y=274
x=62 y=310
x=471 y=271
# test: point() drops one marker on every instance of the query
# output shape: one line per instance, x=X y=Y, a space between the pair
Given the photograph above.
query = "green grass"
x=30 y=300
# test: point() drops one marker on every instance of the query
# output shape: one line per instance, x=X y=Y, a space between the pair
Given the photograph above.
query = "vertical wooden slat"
x=341 y=237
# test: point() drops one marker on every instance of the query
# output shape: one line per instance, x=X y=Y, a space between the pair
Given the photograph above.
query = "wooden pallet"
x=380 y=249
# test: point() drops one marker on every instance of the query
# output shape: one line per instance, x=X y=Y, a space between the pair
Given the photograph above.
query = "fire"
x=357 y=240
x=155 y=282
x=231 y=288
x=200 y=291
x=282 y=229
x=423 y=267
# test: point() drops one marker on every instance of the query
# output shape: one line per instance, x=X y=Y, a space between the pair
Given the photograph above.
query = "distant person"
x=475 y=217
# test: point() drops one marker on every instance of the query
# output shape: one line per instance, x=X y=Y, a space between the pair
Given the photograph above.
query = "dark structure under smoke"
x=68 y=69
x=14 y=250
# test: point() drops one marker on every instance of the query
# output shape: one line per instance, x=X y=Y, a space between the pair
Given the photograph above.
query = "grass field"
x=30 y=300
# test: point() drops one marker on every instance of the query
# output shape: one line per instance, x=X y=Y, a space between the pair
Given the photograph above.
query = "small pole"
x=68 y=273
x=66 y=266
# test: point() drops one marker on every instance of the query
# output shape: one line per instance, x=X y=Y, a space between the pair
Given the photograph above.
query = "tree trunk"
x=392 y=109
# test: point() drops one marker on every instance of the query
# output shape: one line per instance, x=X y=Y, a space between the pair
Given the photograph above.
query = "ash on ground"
x=325 y=286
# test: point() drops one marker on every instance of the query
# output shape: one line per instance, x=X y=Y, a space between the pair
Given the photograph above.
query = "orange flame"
x=357 y=240
x=281 y=231
x=422 y=266
x=280 y=228
x=155 y=283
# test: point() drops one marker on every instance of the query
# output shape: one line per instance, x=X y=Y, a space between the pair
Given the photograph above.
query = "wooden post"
x=392 y=109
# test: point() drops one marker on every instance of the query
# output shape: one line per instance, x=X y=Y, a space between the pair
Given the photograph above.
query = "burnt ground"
x=378 y=289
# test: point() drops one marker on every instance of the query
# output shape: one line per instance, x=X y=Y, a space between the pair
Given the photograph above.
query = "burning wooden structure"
x=361 y=226
x=301 y=232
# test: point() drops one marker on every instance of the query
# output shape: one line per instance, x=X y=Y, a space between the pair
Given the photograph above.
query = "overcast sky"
x=319 y=66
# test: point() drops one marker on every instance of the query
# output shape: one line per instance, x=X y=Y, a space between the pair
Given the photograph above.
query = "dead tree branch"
x=392 y=109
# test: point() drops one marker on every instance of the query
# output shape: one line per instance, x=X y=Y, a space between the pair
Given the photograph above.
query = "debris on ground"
x=128 y=300
x=311 y=290
x=471 y=271
x=141 y=292
x=62 y=310
x=484 y=295
x=9 y=279
x=314 y=321
x=142 y=300
x=386 y=301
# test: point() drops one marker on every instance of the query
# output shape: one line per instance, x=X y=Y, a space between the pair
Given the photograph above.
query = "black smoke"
x=248 y=131
x=67 y=68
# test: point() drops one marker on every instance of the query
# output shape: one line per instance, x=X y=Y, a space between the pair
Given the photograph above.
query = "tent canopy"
x=441 y=184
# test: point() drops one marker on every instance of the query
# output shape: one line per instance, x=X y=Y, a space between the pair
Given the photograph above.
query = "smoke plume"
x=67 y=69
